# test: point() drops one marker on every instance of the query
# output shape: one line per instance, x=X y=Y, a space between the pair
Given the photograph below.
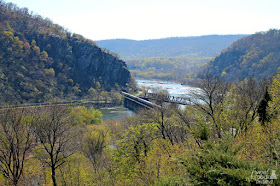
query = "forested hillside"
x=40 y=60
x=180 y=68
x=256 y=56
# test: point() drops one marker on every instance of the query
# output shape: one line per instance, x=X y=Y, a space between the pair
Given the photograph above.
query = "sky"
x=153 y=19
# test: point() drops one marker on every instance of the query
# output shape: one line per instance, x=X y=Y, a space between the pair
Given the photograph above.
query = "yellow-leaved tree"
x=274 y=105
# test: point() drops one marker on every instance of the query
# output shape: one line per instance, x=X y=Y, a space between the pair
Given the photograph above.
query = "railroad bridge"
x=143 y=101
x=166 y=98
x=135 y=103
x=131 y=102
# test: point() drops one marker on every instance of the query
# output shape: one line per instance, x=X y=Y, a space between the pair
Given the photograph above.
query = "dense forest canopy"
x=40 y=60
x=179 y=68
x=256 y=56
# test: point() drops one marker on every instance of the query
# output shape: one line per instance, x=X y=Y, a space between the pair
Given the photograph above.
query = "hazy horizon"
x=171 y=37
x=157 y=19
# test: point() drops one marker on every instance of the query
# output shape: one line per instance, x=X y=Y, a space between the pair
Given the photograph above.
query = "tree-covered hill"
x=180 y=68
x=40 y=60
x=256 y=56
x=203 y=46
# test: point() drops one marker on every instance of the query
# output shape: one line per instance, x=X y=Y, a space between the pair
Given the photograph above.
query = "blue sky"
x=151 y=19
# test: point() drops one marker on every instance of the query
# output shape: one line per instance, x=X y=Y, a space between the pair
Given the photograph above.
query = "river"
x=174 y=89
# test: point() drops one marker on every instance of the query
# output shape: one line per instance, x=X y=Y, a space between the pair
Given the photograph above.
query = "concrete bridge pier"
x=131 y=105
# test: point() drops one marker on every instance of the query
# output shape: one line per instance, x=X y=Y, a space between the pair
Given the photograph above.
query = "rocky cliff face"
x=92 y=63
x=88 y=62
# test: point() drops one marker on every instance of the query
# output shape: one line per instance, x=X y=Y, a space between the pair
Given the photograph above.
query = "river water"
x=115 y=113
x=174 y=89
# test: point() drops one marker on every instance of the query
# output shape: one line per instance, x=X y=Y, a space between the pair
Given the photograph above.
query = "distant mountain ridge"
x=176 y=59
x=255 y=56
x=200 y=46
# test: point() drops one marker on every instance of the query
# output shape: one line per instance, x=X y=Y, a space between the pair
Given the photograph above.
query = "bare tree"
x=93 y=146
x=250 y=94
x=209 y=97
x=168 y=126
x=238 y=104
x=188 y=125
x=15 y=141
x=54 y=133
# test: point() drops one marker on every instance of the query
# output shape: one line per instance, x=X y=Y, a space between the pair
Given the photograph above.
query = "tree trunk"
x=15 y=182
x=53 y=177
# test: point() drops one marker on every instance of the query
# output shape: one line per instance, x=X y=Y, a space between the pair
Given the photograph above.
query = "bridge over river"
x=166 y=98
x=143 y=101
x=130 y=101
x=135 y=103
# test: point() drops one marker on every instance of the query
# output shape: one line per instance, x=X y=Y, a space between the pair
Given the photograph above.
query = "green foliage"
x=49 y=72
x=133 y=148
x=171 y=181
x=97 y=86
x=274 y=106
x=166 y=68
x=134 y=151
x=218 y=164
x=34 y=48
x=137 y=140
x=239 y=108
x=44 y=56
x=85 y=116
x=76 y=172
x=36 y=173
x=202 y=131
x=92 y=92
x=95 y=139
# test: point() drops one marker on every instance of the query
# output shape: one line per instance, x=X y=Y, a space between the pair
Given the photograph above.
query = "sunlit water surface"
x=174 y=89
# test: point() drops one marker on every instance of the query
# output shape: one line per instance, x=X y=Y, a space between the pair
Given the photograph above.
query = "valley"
x=208 y=106
x=170 y=59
